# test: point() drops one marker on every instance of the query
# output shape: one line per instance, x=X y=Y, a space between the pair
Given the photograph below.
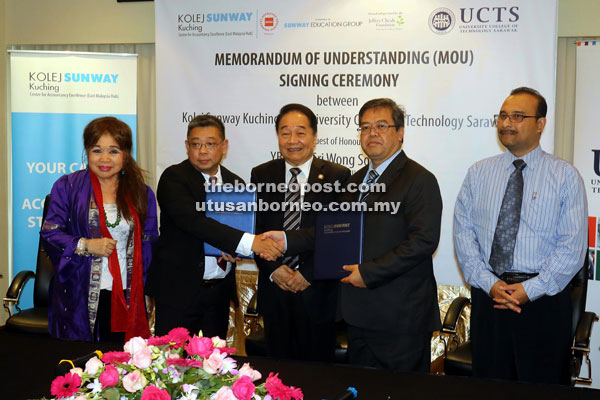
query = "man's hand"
x=149 y=301
x=229 y=258
x=267 y=248
x=281 y=276
x=101 y=247
x=297 y=283
x=355 y=279
x=277 y=236
x=508 y=297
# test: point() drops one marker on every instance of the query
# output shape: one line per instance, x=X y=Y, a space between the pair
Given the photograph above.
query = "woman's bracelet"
x=82 y=248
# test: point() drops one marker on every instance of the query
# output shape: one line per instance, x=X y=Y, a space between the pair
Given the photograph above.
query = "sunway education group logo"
x=269 y=22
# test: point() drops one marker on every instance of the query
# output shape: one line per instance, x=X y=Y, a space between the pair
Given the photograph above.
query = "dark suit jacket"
x=401 y=294
x=178 y=262
x=320 y=294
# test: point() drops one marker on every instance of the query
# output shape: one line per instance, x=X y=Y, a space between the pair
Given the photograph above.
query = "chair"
x=458 y=359
x=255 y=335
x=32 y=320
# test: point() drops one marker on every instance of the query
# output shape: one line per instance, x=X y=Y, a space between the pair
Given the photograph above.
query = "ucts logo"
x=484 y=15
x=77 y=77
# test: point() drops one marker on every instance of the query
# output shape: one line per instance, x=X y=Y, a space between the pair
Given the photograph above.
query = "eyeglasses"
x=515 y=118
x=209 y=146
x=379 y=127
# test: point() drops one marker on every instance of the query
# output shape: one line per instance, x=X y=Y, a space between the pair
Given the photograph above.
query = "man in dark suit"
x=191 y=290
x=299 y=313
x=389 y=300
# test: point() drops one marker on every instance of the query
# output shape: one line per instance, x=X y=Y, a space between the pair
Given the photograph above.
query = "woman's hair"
x=131 y=181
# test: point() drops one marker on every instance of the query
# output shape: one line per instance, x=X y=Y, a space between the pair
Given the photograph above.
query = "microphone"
x=65 y=366
x=349 y=393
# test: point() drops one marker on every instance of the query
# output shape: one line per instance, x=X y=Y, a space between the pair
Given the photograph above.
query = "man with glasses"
x=390 y=299
x=520 y=227
x=192 y=290
x=299 y=313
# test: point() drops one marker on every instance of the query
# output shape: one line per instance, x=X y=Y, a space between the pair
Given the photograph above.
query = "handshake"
x=269 y=245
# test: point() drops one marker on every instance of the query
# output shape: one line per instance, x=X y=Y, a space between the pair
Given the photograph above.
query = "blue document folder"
x=230 y=209
x=338 y=242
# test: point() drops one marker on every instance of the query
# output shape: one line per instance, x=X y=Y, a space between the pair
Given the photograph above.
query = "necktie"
x=373 y=175
x=503 y=245
x=291 y=216
x=222 y=264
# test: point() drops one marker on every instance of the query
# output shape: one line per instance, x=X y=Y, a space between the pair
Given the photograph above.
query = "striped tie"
x=291 y=217
x=373 y=175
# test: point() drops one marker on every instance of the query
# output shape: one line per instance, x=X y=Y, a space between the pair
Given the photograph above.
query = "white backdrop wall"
x=450 y=64
x=586 y=158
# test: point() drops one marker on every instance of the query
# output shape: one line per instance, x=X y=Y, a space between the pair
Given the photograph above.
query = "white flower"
x=228 y=364
x=96 y=386
x=92 y=365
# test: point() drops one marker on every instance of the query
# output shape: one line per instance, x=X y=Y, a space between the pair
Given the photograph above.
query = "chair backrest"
x=44 y=270
x=578 y=286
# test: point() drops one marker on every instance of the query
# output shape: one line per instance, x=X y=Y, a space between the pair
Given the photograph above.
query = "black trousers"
x=291 y=334
x=533 y=346
x=209 y=312
x=102 y=329
x=389 y=350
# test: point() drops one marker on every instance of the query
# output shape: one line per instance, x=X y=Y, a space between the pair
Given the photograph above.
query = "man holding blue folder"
x=389 y=300
x=193 y=290
x=299 y=313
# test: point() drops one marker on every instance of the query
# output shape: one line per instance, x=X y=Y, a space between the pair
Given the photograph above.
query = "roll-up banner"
x=53 y=96
x=586 y=157
x=450 y=64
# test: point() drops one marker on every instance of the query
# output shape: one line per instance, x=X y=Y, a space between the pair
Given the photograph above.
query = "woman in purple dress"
x=99 y=230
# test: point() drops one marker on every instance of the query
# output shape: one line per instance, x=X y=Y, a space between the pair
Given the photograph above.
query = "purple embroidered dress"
x=74 y=292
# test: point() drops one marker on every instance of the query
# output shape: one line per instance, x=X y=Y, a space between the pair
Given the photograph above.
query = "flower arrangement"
x=174 y=366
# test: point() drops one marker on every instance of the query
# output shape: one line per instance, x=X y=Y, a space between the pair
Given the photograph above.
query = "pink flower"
x=92 y=365
x=246 y=370
x=134 y=345
x=199 y=346
x=184 y=362
x=112 y=357
x=154 y=393
x=243 y=388
x=227 y=350
x=134 y=381
x=142 y=358
x=278 y=390
x=158 y=340
x=224 y=393
x=82 y=397
x=65 y=386
x=214 y=363
x=109 y=377
x=178 y=336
